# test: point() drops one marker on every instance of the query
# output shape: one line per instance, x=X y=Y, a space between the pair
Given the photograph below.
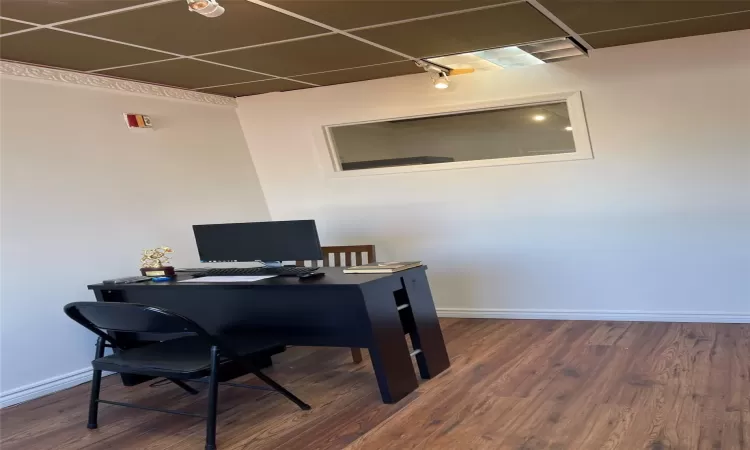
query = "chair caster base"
x=91 y=426
x=210 y=447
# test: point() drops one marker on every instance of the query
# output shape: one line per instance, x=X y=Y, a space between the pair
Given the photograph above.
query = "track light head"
x=439 y=75
x=441 y=81
x=207 y=8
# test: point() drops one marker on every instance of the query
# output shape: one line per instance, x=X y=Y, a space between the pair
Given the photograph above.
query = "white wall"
x=658 y=223
x=82 y=196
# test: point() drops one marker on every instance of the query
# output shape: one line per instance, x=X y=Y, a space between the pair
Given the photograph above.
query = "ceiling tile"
x=363 y=73
x=185 y=73
x=599 y=15
x=49 y=11
x=69 y=51
x=718 y=24
x=258 y=87
x=306 y=56
x=8 y=26
x=347 y=14
x=465 y=32
x=174 y=28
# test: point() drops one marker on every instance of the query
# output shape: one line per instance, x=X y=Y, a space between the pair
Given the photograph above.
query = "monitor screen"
x=258 y=241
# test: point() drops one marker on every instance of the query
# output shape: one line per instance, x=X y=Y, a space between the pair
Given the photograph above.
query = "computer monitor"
x=289 y=240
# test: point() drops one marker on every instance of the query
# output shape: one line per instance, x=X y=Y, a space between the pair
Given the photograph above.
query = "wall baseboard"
x=573 y=314
x=45 y=387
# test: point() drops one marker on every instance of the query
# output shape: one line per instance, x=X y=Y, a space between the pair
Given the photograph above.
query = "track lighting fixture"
x=439 y=75
x=208 y=8
x=441 y=81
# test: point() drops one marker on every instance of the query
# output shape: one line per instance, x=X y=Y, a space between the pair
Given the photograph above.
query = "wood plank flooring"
x=513 y=384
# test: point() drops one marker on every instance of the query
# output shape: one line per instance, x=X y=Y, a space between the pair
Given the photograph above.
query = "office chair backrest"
x=346 y=251
x=129 y=317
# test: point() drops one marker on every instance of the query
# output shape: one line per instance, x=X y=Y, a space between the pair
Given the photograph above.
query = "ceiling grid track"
x=336 y=30
x=390 y=31
x=37 y=26
x=548 y=14
x=666 y=22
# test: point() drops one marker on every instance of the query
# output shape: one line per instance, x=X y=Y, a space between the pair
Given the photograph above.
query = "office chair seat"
x=186 y=356
x=200 y=355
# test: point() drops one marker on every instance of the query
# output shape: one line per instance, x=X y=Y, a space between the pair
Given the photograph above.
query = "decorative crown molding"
x=90 y=80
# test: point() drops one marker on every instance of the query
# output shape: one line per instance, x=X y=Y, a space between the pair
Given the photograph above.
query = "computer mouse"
x=310 y=276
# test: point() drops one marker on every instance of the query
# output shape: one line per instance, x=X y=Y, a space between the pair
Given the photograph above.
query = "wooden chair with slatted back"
x=347 y=251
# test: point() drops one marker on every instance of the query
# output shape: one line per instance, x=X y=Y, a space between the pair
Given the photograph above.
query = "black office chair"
x=193 y=356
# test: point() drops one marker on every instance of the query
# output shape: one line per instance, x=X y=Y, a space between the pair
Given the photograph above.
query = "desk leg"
x=427 y=335
x=388 y=349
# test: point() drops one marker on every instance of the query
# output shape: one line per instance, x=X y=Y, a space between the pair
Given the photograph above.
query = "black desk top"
x=334 y=276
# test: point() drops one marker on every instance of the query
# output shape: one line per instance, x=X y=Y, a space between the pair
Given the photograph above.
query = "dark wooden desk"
x=370 y=311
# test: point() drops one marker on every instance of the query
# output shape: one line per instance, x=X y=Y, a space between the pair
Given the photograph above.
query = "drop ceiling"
x=279 y=45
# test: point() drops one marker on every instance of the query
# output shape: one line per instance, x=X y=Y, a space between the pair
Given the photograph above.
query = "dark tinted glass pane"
x=491 y=134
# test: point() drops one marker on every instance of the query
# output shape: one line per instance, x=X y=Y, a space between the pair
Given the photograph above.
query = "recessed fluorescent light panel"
x=510 y=57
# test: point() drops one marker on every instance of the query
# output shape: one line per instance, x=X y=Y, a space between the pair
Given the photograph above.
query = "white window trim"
x=332 y=165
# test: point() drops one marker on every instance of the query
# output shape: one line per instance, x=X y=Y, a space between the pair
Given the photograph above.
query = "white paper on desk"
x=228 y=279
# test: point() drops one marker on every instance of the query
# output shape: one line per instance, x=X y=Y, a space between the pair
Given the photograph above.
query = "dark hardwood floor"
x=513 y=384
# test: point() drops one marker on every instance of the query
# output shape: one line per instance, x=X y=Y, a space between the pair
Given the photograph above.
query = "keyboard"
x=284 y=271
